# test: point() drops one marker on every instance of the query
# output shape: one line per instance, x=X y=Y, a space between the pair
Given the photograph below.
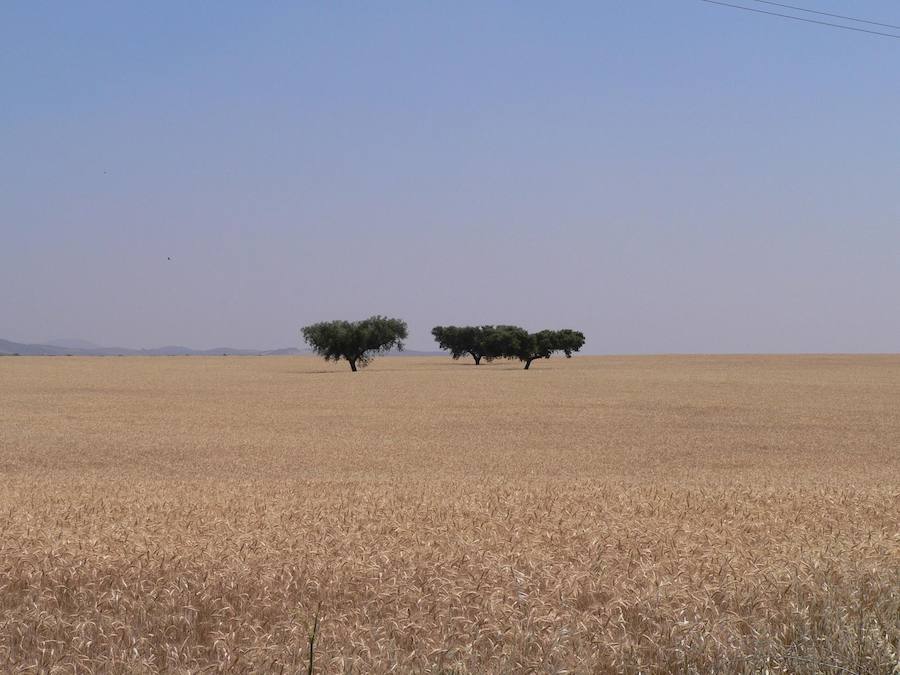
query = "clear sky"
x=664 y=175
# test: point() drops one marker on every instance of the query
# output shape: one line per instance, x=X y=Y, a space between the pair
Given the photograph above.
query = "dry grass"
x=671 y=514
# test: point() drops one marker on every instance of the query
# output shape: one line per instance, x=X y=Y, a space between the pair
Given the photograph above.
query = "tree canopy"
x=543 y=344
x=356 y=341
x=507 y=342
x=462 y=340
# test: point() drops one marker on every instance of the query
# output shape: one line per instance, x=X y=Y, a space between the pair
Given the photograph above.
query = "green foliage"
x=359 y=341
x=543 y=344
x=462 y=340
x=356 y=341
x=546 y=342
x=506 y=342
x=569 y=341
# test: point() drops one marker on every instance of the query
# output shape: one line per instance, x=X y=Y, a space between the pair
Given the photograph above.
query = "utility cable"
x=833 y=16
x=800 y=18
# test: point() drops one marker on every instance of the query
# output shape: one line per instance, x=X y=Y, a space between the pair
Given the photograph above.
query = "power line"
x=834 y=16
x=800 y=18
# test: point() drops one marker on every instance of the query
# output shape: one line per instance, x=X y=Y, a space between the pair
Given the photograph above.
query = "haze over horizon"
x=666 y=177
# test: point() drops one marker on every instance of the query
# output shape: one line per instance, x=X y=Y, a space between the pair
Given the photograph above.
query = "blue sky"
x=665 y=175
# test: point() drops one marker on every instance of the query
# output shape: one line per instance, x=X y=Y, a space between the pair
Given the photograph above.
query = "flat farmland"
x=599 y=514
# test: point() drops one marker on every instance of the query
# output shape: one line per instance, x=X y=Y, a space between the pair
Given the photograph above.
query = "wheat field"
x=599 y=514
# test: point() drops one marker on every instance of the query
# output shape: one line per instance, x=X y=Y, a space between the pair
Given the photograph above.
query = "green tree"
x=505 y=342
x=356 y=341
x=512 y=342
x=462 y=340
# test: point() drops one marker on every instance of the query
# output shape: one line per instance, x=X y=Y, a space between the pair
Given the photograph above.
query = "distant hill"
x=70 y=348
x=73 y=343
x=76 y=347
x=287 y=351
x=8 y=347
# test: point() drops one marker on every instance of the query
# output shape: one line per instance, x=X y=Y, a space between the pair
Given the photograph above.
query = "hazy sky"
x=665 y=175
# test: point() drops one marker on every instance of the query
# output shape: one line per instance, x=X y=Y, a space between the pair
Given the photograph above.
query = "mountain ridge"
x=67 y=348
x=8 y=347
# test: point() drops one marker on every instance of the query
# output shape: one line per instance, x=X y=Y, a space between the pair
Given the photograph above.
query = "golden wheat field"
x=600 y=514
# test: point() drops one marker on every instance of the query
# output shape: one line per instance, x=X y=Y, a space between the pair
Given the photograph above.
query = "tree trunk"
x=477 y=359
x=352 y=364
x=528 y=363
